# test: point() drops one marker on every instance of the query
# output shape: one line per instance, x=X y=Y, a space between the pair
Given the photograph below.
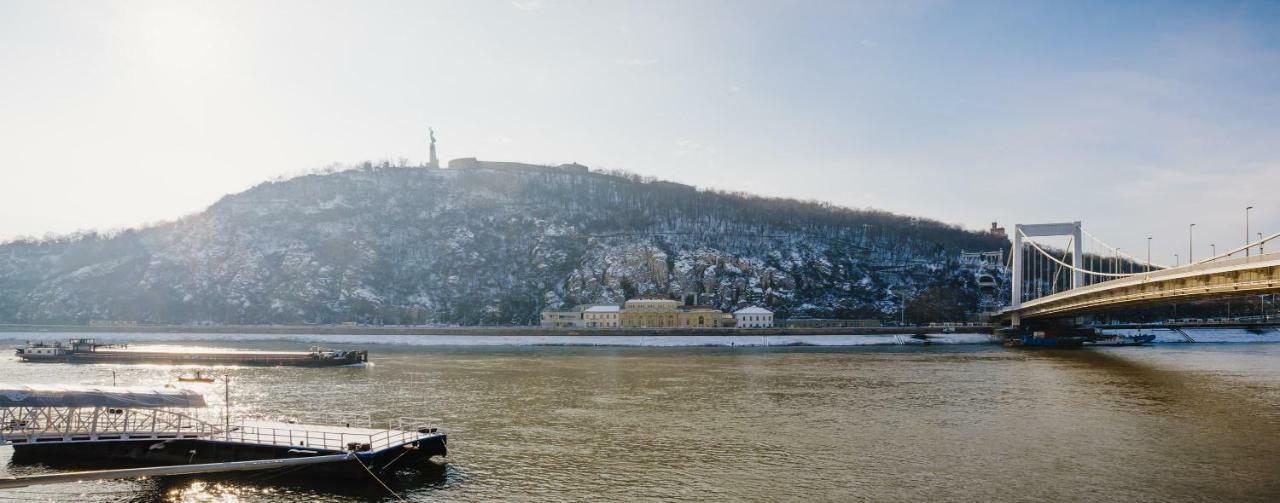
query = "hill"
x=488 y=243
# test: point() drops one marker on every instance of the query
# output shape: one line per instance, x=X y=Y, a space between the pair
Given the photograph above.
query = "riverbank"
x=528 y=339
x=539 y=338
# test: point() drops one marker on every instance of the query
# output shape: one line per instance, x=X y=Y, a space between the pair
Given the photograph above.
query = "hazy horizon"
x=1135 y=119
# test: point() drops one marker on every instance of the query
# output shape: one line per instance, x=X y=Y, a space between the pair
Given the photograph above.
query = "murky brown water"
x=974 y=423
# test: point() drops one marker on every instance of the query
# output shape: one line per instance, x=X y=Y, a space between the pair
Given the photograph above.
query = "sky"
x=1135 y=118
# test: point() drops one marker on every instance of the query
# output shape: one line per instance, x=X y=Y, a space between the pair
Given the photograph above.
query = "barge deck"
x=87 y=351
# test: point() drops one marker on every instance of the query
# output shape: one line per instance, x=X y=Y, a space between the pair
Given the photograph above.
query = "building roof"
x=699 y=308
x=603 y=309
x=753 y=310
x=17 y=395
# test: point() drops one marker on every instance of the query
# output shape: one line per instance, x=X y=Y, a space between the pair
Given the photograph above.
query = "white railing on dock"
x=22 y=425
x=46 y=424
x=320 y=437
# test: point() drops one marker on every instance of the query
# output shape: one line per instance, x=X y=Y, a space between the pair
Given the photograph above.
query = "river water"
x=1173 y=422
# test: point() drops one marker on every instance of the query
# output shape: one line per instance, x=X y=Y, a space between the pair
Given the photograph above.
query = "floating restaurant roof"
x=15 y=395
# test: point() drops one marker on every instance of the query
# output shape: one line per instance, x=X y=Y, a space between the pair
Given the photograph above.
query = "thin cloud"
x=529 y=5
x=689 y=147
x=637 y=62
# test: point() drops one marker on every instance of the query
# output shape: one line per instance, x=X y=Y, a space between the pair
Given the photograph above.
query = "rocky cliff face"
x=484 y=245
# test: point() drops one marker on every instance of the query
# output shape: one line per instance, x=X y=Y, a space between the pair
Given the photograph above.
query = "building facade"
x=602 y=316
x=562 y=318
x=699 y=317
x=654 y=311
x=650 y=312
x=753 y=317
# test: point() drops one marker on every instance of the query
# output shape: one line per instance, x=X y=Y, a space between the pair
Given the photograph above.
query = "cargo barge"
x=87 y=351
x=1045 y=337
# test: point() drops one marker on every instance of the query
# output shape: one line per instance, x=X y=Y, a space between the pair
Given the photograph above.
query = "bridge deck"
x=1221 y=278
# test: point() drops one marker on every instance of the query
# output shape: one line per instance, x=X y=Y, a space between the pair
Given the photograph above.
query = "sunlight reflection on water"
x=1170 y=423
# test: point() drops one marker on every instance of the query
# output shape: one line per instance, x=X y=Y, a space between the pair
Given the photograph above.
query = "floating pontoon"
x=163 y=431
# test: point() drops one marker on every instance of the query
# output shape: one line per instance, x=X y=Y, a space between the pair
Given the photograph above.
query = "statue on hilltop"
x=433 y=162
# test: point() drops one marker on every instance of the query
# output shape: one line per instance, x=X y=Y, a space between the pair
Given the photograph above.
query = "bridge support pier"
x=1032 y=230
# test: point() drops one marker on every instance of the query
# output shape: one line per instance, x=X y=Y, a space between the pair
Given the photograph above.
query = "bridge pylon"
x=1033 y=230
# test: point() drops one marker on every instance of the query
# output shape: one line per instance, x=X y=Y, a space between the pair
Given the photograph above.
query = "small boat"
x=195 y=378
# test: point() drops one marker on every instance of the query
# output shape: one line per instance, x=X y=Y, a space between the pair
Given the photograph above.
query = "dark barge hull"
x=141 y=453
x=1045 y=337
x=238 y=358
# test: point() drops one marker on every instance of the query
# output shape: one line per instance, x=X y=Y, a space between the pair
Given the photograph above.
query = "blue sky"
x=1136 y=118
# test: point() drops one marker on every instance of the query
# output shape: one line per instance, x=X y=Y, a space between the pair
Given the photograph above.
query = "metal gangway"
x=61 y=413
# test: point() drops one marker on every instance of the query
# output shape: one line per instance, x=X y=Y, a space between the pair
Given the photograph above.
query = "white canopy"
x=19 y=395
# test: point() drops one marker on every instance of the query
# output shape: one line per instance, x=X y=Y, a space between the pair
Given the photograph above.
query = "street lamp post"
x=1176 y=261
x=226 y=399
x=1191 y=244
x=902 y=307
x=1213 y=250
x=1260 y=252
x=1246 y=230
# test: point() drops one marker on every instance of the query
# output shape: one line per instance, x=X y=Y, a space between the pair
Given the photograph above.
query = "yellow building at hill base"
x=653 y=311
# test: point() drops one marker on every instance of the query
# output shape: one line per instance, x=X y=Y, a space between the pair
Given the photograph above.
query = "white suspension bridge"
x=1091 y=276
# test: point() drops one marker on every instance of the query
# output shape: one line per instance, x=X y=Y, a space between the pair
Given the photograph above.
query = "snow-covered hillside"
x=492 y=246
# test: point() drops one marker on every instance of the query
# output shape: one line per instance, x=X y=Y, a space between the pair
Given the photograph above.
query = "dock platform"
x=130 y=427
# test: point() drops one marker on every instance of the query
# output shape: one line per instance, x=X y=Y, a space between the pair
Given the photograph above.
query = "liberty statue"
x=433 y=163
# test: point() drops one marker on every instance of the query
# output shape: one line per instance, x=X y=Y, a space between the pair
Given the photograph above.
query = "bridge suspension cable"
x=1072 y=267
x=1117 y=251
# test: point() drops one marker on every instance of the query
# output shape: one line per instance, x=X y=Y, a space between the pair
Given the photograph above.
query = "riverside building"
x=650 y=311
x=602 y=316
x=753 y=317
x=655 y=311
x=562 y=318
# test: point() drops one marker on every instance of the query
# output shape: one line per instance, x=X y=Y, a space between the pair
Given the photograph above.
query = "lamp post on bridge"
x=1148 y=253
x=1260 y=251
x=1213 y=250
x=1176 y=260
x=1191 y=244
x=1246 y=231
